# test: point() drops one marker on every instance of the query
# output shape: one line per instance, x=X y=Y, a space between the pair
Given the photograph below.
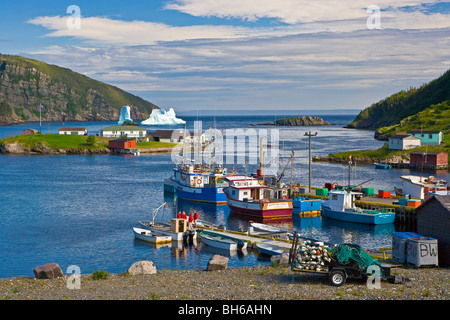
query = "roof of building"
x=123 y=128
x=443 y=200
x=72 y=129
x=427 y=152
x=403 y=136
x=423 y=131
x=162 y=133
x=122 y=140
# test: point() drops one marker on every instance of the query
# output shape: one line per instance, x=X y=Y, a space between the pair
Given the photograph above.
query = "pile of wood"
x=312 y=256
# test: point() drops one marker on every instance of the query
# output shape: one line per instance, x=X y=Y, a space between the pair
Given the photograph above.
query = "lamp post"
x=309 y=134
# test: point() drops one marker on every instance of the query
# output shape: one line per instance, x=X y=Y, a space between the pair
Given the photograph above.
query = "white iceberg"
x=162 y=117
x=124 y=115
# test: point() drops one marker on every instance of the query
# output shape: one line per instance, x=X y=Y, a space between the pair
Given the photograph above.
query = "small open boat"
x=382 y=166
x=271 y=250
x=221 y=242
x=270 y=230
x=150 y=236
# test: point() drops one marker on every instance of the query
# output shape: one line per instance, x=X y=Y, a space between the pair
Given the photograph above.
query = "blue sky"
x=239 y=54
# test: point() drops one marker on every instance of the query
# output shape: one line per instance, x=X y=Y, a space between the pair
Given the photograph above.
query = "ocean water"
x=80 y=209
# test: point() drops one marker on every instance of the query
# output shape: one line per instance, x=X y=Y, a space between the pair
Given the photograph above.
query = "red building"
x=122 y=144
x=429 y=159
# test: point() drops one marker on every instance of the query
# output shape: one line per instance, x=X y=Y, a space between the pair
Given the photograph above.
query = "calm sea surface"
x=80 y=210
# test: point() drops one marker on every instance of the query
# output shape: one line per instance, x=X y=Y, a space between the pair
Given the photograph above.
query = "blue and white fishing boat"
x=200 y=183
x=341 y=206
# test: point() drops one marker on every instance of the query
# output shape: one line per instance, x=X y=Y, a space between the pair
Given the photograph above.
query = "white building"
x=123 y=131
x=403 y=142
x=73 y=131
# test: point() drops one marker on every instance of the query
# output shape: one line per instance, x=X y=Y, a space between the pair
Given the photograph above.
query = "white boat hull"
x=149 y=236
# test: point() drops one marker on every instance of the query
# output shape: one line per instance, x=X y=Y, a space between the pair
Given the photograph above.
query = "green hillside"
x=66 y=95
x=406 y=104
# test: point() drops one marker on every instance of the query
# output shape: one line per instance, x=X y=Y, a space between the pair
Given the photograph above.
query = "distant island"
x=296 y=121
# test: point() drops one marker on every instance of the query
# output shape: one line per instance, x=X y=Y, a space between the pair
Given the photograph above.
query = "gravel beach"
x=245 y=283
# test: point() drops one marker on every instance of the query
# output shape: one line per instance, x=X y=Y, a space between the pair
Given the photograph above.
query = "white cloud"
x=309 y=62
x=287 y=11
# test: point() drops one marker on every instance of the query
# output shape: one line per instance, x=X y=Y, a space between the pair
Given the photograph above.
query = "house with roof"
x=176 y=136
x=433 y=220
x=123 y=131
x=73 y=131
x=428 y=137
x=403 y=141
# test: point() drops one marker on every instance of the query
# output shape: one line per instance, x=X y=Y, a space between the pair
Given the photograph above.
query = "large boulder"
x=280 y=260
x=217 y=262
x=48 y=271
x=142 y=267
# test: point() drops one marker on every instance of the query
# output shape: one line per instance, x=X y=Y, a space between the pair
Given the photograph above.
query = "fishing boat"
x=245 y=196
x=382 y=166
x=271 y=250
x=341 y=206
x=151 y=236
x=219 y=241
x=199 y=183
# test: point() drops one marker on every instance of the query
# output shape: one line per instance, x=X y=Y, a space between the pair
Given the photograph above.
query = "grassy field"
x=70 y=142
x=56 y=142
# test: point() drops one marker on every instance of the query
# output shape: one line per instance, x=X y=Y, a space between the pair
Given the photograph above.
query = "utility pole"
x=309 y=134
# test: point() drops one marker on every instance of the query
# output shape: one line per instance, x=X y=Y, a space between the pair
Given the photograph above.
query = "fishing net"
x=347 y=253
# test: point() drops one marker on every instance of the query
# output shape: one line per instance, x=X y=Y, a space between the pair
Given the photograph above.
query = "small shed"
x=403 y=141
x=430 y=159
x=433 y=220
x=73 y=131
x=29 y=131
x=122 y=144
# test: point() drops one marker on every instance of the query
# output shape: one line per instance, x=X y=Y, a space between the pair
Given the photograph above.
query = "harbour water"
x=80 y=209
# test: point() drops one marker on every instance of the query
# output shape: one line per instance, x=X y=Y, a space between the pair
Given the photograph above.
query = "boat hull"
x=218 y=244
x=269 y=249
x=356 y=217
x=262 y=210
x=169 y=185
x=204 y=194
x=382 y=166
x=148 y=236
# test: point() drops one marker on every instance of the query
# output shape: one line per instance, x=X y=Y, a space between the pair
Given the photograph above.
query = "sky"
x=222 y=55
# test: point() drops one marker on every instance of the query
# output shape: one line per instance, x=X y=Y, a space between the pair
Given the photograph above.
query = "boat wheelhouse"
x=200 y=183
x=341 y=206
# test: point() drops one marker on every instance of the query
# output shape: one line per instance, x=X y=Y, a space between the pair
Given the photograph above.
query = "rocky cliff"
x=65 y=95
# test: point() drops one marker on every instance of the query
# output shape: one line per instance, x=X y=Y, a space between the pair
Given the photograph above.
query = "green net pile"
x=346 y=253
